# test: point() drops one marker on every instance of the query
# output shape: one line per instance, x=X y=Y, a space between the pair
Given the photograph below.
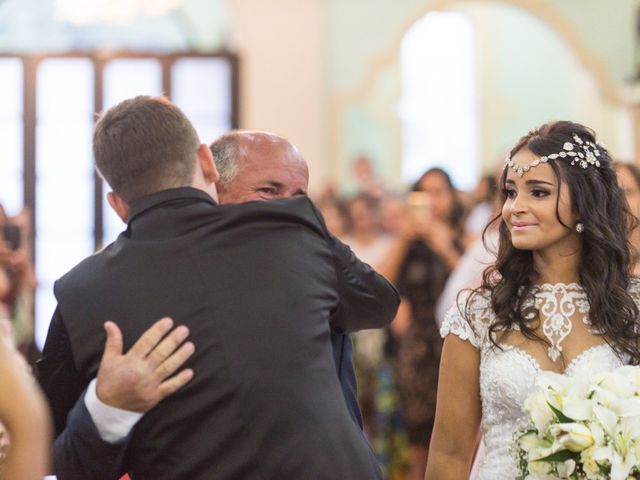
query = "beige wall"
x=280 y=44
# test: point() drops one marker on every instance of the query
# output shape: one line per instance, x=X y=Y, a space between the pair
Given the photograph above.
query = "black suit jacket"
x=258 y=285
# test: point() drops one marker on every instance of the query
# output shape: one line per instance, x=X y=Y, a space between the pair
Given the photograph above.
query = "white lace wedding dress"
x=507 y=375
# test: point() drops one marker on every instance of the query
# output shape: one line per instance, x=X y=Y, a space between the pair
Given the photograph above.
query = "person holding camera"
x=419 y=263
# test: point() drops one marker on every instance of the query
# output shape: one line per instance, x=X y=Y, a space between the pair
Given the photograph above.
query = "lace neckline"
x=558 y=304
x=549 y=286
x=571 y=365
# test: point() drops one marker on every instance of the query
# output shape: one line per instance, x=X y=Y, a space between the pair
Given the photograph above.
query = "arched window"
x=438 y=107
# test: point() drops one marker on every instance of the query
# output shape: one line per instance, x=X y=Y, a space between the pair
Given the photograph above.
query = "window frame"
x=99 y=60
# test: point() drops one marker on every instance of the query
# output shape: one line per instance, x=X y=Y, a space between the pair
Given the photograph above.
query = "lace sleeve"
x=472 y=329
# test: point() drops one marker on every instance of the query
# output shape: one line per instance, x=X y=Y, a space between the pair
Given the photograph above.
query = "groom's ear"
x=207 y=164
x=119 y=206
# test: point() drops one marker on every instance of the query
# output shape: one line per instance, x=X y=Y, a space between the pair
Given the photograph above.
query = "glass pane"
x=64 y=148
x=65 y=89
x=209 y=130
x=126 y=78
x=69 y=252
x=11 y=184
x=11 y=74
x=64 y=175
x=11 y=135
x=201 y=87
x=64 y=200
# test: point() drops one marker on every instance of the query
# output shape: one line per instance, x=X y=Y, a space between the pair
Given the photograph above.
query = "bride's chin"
x=520 y=245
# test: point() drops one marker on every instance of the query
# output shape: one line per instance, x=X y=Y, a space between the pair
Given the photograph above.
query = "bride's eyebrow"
x=530 y=182
x=538 y=182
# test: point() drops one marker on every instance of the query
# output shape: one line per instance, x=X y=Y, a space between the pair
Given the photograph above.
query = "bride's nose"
x=518 y=205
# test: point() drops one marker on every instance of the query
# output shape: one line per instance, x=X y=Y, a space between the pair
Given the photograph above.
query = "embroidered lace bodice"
x=507 y=376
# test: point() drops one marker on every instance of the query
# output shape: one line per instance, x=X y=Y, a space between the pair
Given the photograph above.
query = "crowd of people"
x=436 y=373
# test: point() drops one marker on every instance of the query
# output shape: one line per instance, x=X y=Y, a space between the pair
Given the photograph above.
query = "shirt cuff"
x=113 y=424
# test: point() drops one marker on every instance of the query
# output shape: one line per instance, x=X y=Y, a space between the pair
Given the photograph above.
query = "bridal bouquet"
x=582 y=427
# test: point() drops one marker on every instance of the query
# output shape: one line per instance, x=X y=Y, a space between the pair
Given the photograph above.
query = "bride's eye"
x=509 y=192
x=539 y=193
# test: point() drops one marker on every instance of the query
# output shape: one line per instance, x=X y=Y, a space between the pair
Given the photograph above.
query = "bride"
x=558 y=298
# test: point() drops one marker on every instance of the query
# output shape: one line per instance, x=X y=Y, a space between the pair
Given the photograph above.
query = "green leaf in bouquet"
x=559 y=456
x=604 y=469
x=561 y=417
x=524 y=433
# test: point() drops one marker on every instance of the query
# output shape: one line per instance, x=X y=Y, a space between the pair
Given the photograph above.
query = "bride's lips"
x=520 y=226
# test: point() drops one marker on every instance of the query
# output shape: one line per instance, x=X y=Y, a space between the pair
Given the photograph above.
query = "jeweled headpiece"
x=582 y=153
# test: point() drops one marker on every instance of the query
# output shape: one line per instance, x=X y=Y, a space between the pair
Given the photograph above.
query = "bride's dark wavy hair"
x=605 y=263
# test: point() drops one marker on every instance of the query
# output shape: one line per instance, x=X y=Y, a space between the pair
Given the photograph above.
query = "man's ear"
x=207 y=164
x=119 y=206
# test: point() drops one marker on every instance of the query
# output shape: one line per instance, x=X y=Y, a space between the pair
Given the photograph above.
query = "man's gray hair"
x=225 y=154
x=232 y=148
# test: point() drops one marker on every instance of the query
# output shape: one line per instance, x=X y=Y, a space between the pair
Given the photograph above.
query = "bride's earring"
x=579 y=227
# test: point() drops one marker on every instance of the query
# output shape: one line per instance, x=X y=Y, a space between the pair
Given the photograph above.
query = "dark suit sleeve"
x=367 y=299
x=57 y=373
x=80 y=454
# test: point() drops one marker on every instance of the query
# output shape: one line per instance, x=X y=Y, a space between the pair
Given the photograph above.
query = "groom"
x=257 y=285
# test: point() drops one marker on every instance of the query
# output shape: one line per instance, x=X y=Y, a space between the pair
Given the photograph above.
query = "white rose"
x=572 y=436
x=551 y=381
x=633 y=375
x=608 y=419
x=530 y=441
x=540 y=468
x=597 y=432
x=577 y=408
x=539 y=410
x=566 y=468
x=589 y=463
x=617 y=383
x=628 y=407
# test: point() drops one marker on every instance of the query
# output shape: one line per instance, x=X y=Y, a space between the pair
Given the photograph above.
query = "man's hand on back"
x=138 y=380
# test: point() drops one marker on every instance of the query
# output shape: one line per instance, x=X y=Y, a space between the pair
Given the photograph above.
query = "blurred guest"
x=328 y=194
x=366 y=240
x=629 y=180
x=17 y=277
x=364 y=235
x=477 y=256
x=368 y=182
x=468 y=272
x=393 y=212
x=334 y=217
x=387 y=428
x=419 y=264
x=482 y=209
